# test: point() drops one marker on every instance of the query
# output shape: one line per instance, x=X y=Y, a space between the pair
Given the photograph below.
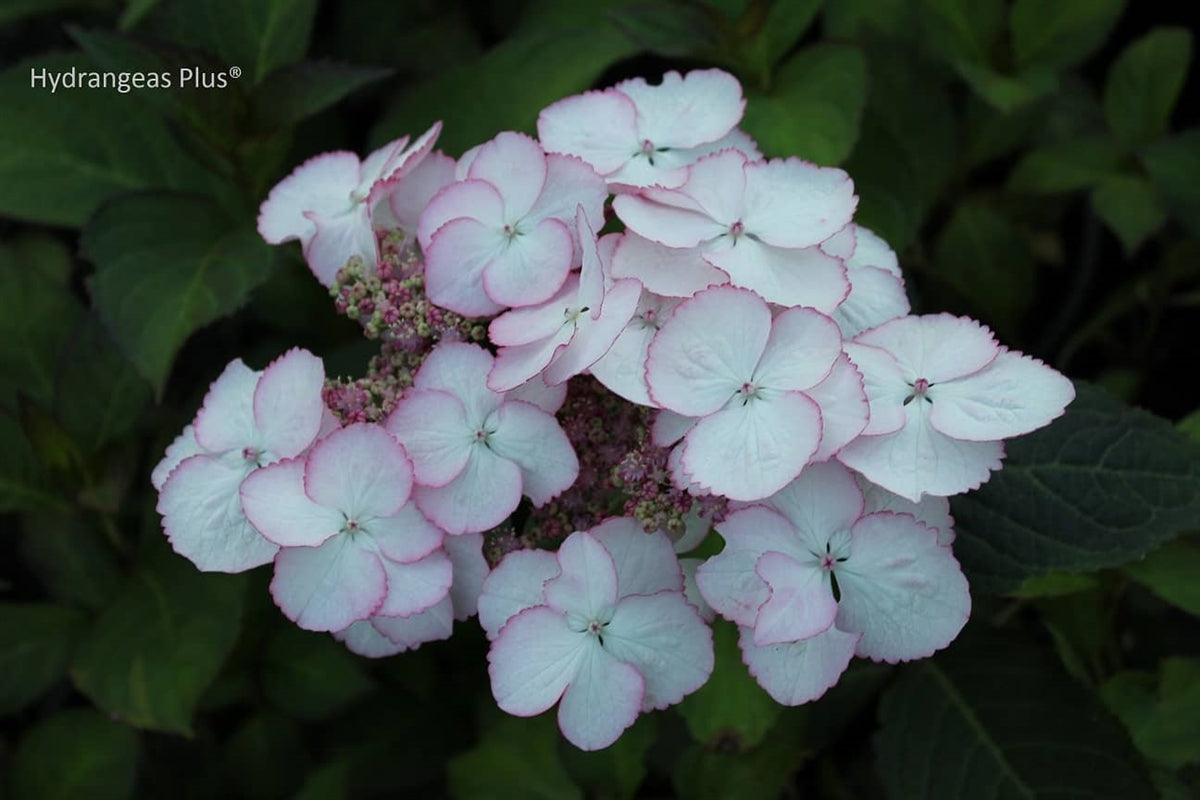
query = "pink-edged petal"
x=535 y=324
x=338 y=239
x=274 y=501
x=434 y=624
x=800 y=604
x=599 y=127
x=798 y=672
x=918 y=459
x=377 y=165
x=405 y=536
x=536 y=391
x=885 y=386
x=401 y=162
x=532 y=439
x=843 y=243
x=517 y=583
x=594 y=337
x=729 y=580
x=415 y=191
x=800 y=351
x=416 y=586
x=470 y=571
x=570 y=183
x=361 y=470
x=288 y=408
x=645 y=562
x=531 y=266
x=481 y=497
x=1011 y=396
x=901 y=589
x=533 y=659
x=518 y=364
x=203 y=518
x=933 y=512
x=226 y=419
x=794 y=203
x=871 y=250
x=436 y=434
x=695 y=530
x=322 y=185
x=752 y=450
x=327 y=588
x=667 y=271
x=601 y=701
x=876 y=296
x=591 y=271
x=691 y=590
x=715 y=186
x=823 y=500
x=795 y=277
x=844 y=408
x=666 y=640
x=362 y=638
x=669 y=428
x=183 y=446
x=694 y=366
x=688 y=110
x=587 y=586
x=461 y=369
x=516 y=165
x=454 y=265
x=668 y=225
x=467 y=199
x=622 y=369
x=936 y=347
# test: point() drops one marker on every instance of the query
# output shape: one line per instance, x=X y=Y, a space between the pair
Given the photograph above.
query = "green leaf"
x=619 y=769
x=76 y=755
x=99 y=397
x=1065 y=166
x=257 y=36
x=906 y=150
x=1190 y=426
x=35 y=647
x=1008 y=92
x=814 y=107
x=1170 y=572
x=261 y=757
x=1099 y=487
x=151 y=311
x=56 y=171
x=46 y=255
x=309 y=675
x=299 y=91
x=36 y=319
x=993 y=717
x=23 y=482
x=12 y=10
x=70 y=558
x=1131 y=207
x=1060 y=33
x=983 y=258
x=1174 y=166
x=508 y=86
x=160 y=643
x=731 y=712
x=670 y=28
x=1144 y=84
x=865 y=19
x=963 y=30
x=1162 y=712
x=765 y=771
x=328 y=782
x=781 y=27
x=1054 y=584
x=516 y=758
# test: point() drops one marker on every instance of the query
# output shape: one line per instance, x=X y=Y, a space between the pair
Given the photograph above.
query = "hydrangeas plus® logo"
x=126 y=82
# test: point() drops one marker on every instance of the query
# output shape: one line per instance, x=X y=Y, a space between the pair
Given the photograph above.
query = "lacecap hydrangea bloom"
x=599 y=348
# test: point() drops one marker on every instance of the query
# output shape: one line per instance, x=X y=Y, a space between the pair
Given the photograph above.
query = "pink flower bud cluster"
x=736 y=359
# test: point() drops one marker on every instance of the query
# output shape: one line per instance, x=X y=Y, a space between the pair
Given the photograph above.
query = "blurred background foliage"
x=1036 y=163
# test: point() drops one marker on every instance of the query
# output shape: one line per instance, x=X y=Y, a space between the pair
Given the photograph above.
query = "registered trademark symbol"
x=235 y=72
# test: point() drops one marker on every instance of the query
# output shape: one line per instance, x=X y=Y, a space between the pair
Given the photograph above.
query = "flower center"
x=920 y=388
x=748 y=392
x=736 y=230
x=351 y=527
x=647 y=147
x=251 y=454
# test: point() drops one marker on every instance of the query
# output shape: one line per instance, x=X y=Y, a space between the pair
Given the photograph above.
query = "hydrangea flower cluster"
x=559 y=412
